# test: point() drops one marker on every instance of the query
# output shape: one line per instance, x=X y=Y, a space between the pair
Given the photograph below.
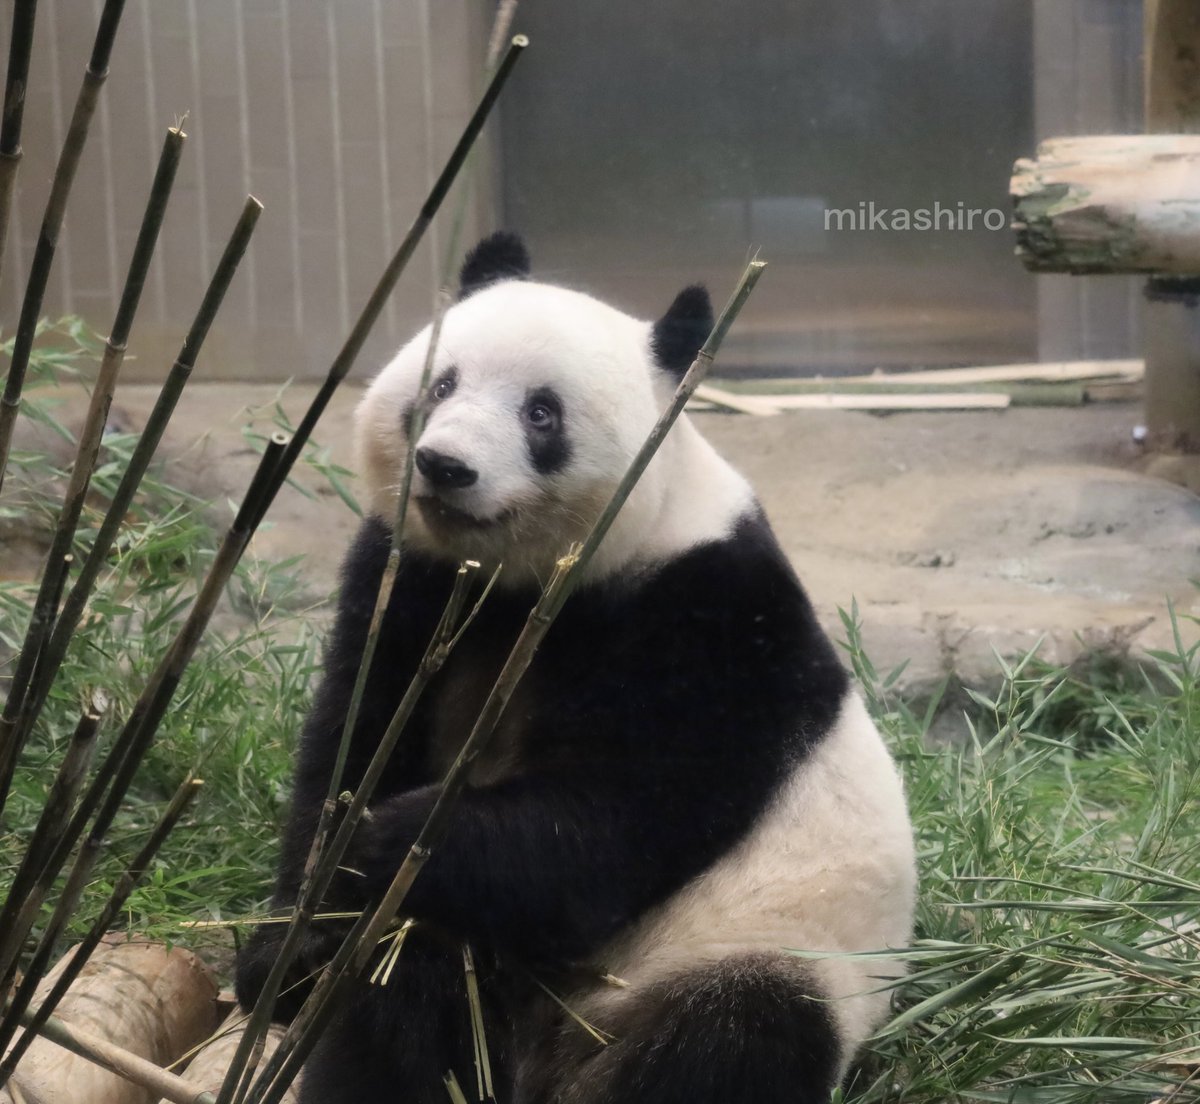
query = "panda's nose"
x=444 y=471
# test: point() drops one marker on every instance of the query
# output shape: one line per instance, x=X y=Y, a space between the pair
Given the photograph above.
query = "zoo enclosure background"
x=638 y=148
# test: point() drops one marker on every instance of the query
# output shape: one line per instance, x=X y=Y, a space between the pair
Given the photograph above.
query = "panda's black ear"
x=680 y=333
x=500 y=256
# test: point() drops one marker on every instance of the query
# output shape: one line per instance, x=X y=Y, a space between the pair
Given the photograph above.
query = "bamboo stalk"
x=132 y=1067
x=346 y=356
x=126 y=884
x=20 y=48
x=313 y=887
x=43 y=257
x=27 y=891
x=303 y=1032
x=13 y=734
x=322 y=860
x=55 y=571
x=88 y=449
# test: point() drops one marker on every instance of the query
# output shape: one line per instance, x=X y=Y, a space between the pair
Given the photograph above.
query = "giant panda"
x=684 y=789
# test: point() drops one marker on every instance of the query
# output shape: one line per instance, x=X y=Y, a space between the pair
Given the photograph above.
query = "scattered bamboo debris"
x=206 y=1069
x=1068 y=383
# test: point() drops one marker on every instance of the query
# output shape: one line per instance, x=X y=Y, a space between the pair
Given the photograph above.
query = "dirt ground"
x=956 y=533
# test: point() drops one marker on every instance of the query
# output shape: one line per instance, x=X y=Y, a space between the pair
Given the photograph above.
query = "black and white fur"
x=684 y=785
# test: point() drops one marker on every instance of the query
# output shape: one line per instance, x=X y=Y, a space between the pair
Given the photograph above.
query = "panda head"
x=538 y=400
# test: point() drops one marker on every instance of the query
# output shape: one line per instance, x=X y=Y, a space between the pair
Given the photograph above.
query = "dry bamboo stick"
x=304 y=1030
x=20 y=48
x=56 y=206
x=41 y=623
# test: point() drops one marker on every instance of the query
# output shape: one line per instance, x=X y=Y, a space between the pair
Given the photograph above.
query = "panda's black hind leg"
x=741 y=1032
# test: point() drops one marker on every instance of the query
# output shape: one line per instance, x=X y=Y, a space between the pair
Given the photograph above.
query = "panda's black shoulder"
x=723 y=635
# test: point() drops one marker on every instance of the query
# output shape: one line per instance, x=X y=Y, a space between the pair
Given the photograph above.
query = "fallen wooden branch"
x=960 y=400
x=742 y=404
x=1112 y=204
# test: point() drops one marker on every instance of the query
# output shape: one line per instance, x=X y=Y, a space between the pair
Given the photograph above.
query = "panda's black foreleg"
x=745 y=1031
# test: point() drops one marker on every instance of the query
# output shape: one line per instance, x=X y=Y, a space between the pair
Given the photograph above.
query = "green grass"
x=234 y=717
x=1058 y=953
x=1058 y=957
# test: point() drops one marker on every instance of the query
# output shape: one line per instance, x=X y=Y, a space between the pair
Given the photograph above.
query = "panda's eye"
x=443 y=387
x=540 y=416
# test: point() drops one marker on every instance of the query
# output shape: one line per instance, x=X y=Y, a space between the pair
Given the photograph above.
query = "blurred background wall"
x=638 y=147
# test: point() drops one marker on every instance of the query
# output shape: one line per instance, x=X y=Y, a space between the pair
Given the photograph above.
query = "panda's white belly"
x=829 y=867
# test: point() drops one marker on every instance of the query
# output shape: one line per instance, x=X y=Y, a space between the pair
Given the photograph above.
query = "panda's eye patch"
x=543 y=411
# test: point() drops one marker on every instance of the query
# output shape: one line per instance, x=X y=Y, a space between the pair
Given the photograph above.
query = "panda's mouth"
x=437 y=511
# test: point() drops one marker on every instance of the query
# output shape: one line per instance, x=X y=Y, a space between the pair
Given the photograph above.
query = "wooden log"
x=1125 y=204
x=207 y=1068
x=150 y=1000
x=1171 y=321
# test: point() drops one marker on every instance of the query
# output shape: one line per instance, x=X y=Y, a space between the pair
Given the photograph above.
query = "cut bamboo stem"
x=244 y=1059
x=132 y=1067
x=41 y=623
x=323 y=859
x=303 y=1032
x=348 y=354
x=126 y=884
x=56 y=206
x=20 y=49
x=28 y=890
x=13 y=734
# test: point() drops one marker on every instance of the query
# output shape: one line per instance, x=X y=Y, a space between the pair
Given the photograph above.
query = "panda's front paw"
x=380 y=844
x=255 y=960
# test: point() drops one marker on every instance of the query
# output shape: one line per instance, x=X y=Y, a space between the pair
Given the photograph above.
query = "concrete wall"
x=336 y=114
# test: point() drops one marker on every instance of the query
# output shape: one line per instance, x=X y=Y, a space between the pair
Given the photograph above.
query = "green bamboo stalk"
x=301 y=1035
x=344 y=360
x=16 y=733
x=126 y=884
x=133 y=1068
x=43 y=256
x=42 y=621
x=322 y=861
x=27 y=890
x=20 y=49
